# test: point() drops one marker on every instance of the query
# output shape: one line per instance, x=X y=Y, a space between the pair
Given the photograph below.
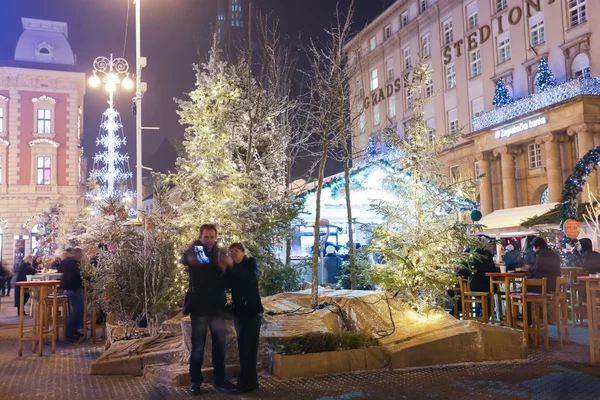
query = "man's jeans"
x=75 y=318
x=218 y=332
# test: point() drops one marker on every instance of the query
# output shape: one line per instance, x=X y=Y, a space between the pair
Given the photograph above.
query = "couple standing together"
x=212 y=271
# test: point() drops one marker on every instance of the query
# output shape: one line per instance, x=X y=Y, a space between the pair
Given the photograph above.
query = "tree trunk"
x=317 y=247
x=346 y=162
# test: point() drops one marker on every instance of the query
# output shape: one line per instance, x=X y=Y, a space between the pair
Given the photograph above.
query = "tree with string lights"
x=545 y=77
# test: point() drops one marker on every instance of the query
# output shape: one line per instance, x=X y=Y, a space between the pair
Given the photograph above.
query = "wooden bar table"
x=592 y=286
x=42 y=288
x=498 y=278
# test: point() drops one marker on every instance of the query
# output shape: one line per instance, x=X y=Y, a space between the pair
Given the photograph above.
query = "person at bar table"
x=590 y=258
x=512 y=258
x=547 y=265
x=24 y=269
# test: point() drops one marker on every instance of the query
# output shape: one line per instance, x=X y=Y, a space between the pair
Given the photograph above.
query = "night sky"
x=175 y=34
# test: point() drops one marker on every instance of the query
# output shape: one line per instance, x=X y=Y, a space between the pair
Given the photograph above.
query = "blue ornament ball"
x=476 y=215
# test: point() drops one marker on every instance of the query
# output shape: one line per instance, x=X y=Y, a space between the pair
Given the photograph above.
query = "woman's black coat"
x=24 y=269
x=243 y=280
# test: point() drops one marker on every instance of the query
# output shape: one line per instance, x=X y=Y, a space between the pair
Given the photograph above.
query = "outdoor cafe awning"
x=507 y=222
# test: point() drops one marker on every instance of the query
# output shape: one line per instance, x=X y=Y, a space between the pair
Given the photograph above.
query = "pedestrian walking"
x=206 y=301
x=73 y=285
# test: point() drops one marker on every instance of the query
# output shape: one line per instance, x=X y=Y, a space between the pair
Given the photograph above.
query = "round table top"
x=37 y=283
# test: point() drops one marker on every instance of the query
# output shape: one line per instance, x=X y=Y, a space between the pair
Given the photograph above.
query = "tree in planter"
x=421 y=240
x=545 y=77
x=328 y=110
x=232 y=170
x=502 y=96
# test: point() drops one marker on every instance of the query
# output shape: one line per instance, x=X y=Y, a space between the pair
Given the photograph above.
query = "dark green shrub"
x=319 y=342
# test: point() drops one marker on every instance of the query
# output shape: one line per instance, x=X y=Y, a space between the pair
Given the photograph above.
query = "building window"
x=389 y=66
x=387 y=32
x=426 y=45
x=429 y=88
x=362 y=123
x=545 y=197
x=392 y=106
x=477 y=107
x=503 y=48
x=374 y=79
x=577 y=12
x=44 y=120
x=43 y=170
x=1 y=119
x=407 y=61
x=372 y=43
x=448 y=35
x=475 y=63
x=581 y=66
x=424 y=5
x=537 y=30
x=376 y=119
x=431 y=130
x=500 y=5
x=409 y=99
x=453 y=121
x=450 y=77
x=535 y=156
x=455 y=173
x=476 y=173
x=0 y=170
x=472 y=16
x=405 y=18
x=360 y=88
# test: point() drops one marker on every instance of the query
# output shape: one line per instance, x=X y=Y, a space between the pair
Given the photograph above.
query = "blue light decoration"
x=574 y=185
x=545 y=78
x=502 y=96
x=538 y=101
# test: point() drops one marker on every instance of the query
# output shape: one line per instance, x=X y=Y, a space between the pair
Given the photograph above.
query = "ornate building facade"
x=522 y=152
x=41 y=160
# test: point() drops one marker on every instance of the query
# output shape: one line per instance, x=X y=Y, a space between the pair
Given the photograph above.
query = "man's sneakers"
x=196 y=388
x=224 y=385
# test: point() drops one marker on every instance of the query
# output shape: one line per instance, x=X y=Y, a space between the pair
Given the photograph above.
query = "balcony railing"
x=538 y=101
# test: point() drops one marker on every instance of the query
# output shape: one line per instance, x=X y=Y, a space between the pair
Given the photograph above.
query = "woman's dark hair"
x=209 y=227
x=238 y=246
x=539 y=243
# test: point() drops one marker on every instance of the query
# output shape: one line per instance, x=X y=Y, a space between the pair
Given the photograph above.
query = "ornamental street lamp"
x=113 y=167
x=111 y=69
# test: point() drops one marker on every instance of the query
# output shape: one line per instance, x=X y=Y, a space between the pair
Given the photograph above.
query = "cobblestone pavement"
x=561 y=373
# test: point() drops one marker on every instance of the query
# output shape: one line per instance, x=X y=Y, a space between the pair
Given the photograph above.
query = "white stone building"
x=41 y=107
x=525 y=150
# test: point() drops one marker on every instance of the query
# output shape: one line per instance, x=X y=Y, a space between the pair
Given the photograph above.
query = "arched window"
x=581 y=66
x=44 y=50
x=544 y=198
x=36 y=232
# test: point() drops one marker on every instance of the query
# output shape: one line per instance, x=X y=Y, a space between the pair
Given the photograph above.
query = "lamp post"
x=139 y=93
x=112 y=72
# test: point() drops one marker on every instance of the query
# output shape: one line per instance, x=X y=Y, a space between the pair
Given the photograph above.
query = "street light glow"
x=110 y=87
x=128 y=83
x=94 y=81
x=112 y=78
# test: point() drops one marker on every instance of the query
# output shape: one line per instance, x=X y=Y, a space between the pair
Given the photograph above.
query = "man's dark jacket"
x=590 y=258
x=483 y=262
x=512 y=260
x=547 y=265
x=71 y=279
x=243 y=280
x=207 y=282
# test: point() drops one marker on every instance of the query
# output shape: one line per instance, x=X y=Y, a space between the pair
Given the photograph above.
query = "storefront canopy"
x=507 y=222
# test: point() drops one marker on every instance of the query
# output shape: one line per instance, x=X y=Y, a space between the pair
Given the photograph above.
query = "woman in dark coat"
x=243 y=277
x=24 y=269
x=529 y=256
x=547 y=265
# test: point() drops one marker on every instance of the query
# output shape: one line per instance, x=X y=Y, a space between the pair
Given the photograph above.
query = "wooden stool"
x=469 y=298
x=96 y=326
x=538 y=301
x=61 y=318
x=575 y=295
x=90 y=318
x=561 y=313
x=39 y=303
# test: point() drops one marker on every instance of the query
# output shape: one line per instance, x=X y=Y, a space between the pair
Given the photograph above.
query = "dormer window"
x=44 y=49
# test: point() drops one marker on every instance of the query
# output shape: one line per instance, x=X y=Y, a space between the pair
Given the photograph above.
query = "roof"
x=508 y=221
x=44 y=42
